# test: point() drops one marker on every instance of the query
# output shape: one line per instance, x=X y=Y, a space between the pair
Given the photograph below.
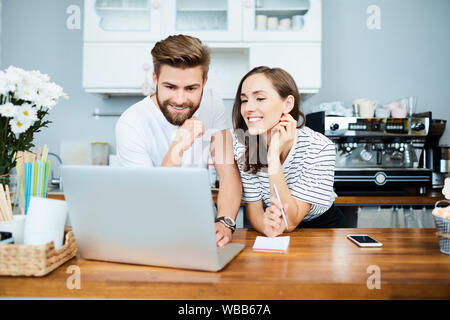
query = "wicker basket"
x=35 y=260
x=443 y=229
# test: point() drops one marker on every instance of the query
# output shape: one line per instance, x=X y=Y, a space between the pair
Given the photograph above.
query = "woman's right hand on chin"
x=273 y=220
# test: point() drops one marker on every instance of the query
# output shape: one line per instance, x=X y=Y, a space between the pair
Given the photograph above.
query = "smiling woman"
x=272 y=150
x=265 y=112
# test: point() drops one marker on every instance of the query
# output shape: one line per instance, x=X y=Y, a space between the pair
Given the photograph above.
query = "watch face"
x=229 y=221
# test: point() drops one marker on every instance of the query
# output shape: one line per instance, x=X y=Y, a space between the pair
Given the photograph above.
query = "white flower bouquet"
x=26 y=97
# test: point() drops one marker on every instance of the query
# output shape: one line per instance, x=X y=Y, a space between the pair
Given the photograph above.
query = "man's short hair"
x=181 y=51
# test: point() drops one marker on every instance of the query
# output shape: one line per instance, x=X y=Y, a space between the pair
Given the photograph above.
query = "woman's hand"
x=273 y=219
x=282 y=135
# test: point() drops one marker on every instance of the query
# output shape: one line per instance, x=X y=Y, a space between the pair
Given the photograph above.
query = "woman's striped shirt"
x=308 y=170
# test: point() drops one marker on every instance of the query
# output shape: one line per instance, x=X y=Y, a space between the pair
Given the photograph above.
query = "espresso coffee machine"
x=376 y=155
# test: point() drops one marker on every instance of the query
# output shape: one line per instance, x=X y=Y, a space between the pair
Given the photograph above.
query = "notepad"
x=271 y=244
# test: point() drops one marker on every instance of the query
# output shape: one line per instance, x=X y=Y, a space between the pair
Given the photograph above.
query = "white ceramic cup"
x=382 y=112
x=366 y=107
x=261 y=22
x=285 y=24
x=297 y=22
x=99 y=153
x=16 y=227
x=45 y=221
x=272 y=23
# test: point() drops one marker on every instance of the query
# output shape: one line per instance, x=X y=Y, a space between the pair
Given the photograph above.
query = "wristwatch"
x=228 y=221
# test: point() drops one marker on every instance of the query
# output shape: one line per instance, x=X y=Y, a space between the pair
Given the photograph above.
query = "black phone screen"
x=364 y=239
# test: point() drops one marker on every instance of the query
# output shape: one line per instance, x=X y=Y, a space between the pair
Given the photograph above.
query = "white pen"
x=282 y=211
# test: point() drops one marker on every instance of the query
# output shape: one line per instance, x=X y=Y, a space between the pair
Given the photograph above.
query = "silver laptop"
x=150 y=216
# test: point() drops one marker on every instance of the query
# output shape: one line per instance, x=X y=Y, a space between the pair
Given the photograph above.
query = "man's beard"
x=174 y=118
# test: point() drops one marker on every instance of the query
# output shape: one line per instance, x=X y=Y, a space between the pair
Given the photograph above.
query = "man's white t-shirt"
x=143 y=134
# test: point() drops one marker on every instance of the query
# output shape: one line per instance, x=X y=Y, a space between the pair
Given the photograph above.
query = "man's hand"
x=223 y=234
x=187 y=133
x=184 y=138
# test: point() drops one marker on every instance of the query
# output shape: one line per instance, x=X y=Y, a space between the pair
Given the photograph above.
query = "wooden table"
x=320 y=264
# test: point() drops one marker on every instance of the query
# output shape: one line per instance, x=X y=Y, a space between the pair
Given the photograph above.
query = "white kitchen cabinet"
x=209 y=20
x=228 y=66
x=302 y=61
x=282 y=20
x=122 y=20
x=147 y=20
x=119 y=36
x=116 y=68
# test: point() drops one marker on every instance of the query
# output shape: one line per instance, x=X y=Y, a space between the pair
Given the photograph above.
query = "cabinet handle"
x=155 y=5
x=248 y=4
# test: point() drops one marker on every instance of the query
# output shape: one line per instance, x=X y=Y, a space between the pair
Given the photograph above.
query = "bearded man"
x=180 y=125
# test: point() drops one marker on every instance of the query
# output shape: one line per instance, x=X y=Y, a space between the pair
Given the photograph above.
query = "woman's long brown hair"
x=283 y=83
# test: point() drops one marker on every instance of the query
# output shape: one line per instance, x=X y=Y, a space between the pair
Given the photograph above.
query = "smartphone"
x=364 y=240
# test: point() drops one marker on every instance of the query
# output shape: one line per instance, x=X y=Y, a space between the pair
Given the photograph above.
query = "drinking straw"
x=25 y=187
x=33 y=174
x=3 y=215
x=36 y=187
x=28 y=184
x=25 y=180
x=39 y=153
x=22 y=191
x=4 y=204
x=47 y=176
x=19 y=170
x=33 y=178
x=28 y=172
x=35 y=169
x=30 y=181
x=8 y=200
x=39 y=179
x=41 y=184
x=46 y=171
x=44 y=154
x=17 y=200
